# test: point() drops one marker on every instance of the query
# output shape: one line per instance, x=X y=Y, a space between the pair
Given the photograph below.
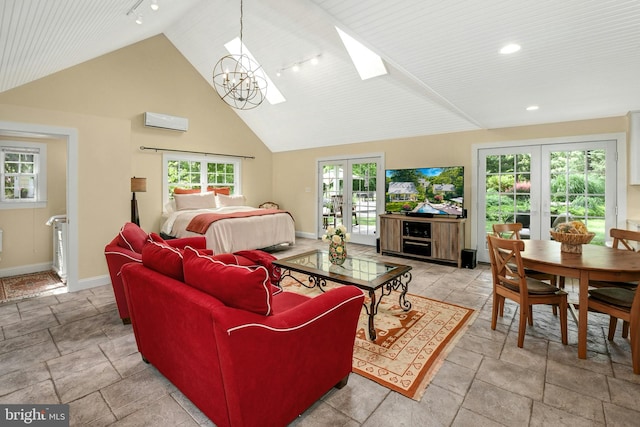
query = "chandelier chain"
x=239 y=79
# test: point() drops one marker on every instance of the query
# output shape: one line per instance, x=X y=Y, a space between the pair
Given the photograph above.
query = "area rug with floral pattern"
x=28 y=285
x=410 y=346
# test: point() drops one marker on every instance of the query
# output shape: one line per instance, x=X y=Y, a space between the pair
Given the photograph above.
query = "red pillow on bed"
x=132 y=237
x=164 y=259
x=243 y=287
x=220 y=190
x=179 y=190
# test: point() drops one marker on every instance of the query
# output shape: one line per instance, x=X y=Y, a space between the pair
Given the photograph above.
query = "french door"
x=349 y=195
x=542 y=185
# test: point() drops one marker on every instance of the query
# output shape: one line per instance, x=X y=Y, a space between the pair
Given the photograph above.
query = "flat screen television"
x=425 y=191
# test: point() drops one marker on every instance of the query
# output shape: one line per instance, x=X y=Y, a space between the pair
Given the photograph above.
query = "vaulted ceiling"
x=580 y=59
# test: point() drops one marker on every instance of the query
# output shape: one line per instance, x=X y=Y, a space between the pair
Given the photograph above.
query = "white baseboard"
x=26 y=269
x=306 y=235
x=82 y=284
x=91 y=282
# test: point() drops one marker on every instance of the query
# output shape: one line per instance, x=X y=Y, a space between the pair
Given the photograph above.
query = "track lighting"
x=134 y=9
x=295 y=67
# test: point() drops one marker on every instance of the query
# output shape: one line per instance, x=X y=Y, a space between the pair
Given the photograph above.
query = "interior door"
x=349 y=195
x=539 y=185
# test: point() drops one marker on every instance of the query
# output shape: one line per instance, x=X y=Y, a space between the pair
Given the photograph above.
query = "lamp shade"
x=138 y=185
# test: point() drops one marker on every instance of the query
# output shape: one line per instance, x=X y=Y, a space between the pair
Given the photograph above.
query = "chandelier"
x=239 y=79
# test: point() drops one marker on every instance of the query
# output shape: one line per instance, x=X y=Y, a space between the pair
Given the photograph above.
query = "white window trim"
x=41 y=192
x=166 y=157
x=621 y=173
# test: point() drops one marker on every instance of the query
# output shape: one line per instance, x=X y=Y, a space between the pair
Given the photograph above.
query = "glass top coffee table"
x=366 y=274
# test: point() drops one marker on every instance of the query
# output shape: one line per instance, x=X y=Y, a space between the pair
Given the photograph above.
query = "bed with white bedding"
x=229 y=235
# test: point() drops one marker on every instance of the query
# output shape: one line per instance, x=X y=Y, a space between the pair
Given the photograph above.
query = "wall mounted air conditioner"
x=165 y=121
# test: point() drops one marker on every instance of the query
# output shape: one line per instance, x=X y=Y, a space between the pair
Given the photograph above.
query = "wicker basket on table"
x=571 y=242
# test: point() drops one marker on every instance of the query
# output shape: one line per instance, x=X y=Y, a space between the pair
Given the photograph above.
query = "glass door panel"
x=579 y=185
x=332 y=192
x=364 y=200
x=507 y=192
x=352 y=202
x=541 y=185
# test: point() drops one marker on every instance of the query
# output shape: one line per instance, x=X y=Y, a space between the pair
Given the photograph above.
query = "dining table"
x=596 y=262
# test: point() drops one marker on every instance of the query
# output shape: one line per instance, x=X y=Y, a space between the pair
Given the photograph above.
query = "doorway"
x=542 y=184
x=350 y=194
x=70 y=136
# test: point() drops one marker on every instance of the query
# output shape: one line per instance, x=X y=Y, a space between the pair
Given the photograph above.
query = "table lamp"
x=138 y=185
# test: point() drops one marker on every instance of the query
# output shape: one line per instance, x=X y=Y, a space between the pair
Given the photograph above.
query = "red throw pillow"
x=154 y=237
x=132 y=237
x=234 y=259
x=164 y=259
x=242 y=287
x=220 y=190
x=179 y=190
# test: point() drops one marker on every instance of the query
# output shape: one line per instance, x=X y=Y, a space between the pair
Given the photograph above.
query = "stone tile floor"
x=72 y=348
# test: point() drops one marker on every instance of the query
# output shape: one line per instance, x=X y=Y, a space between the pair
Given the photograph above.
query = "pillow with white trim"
x=163 y=258
x=242 y=287
x=132 y=237
x=195 y=201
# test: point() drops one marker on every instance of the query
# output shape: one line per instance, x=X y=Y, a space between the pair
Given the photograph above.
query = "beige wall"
x=296 y=170
x=26 y=236
x=103 y=178
x=105 y=99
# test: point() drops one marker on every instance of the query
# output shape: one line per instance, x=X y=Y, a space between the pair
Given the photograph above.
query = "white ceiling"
x=580 y=59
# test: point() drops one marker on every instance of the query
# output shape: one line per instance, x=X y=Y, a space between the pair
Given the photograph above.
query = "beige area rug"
x=410 y=346
x=29 y=285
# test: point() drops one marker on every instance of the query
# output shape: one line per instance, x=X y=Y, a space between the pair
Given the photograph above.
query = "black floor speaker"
x=469 y=258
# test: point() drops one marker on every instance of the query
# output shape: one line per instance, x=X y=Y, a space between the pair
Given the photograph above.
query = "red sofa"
x=244 y=352
x=127 y=247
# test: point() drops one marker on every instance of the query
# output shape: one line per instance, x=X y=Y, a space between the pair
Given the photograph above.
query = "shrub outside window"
x=200 y=173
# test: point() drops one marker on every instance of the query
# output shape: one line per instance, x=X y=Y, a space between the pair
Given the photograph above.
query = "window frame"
x=40 y=172
x=204 y=160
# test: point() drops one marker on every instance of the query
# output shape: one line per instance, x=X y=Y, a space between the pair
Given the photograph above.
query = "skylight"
x=366 y=61
x=273 y=95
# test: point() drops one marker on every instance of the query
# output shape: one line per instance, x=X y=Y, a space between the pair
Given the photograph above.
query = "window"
x=200 y=173
x=24 y=181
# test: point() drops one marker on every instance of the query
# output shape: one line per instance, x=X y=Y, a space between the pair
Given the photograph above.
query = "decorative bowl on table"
x=572 y=235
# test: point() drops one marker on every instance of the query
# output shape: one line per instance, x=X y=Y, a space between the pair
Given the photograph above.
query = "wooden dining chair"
x=620 y=303
x=512 y=231
x=510 y=281
x=625 y=240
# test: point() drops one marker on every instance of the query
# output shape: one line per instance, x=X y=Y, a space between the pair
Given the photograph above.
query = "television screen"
x=428 y=191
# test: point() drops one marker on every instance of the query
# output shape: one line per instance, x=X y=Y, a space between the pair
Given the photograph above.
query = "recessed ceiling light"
x=154 y=5
x=139 y=19
x=510 y=48
x=532 y=108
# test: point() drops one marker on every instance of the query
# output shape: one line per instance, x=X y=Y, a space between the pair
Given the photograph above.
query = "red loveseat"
x=242 y=353
x=127 y=247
